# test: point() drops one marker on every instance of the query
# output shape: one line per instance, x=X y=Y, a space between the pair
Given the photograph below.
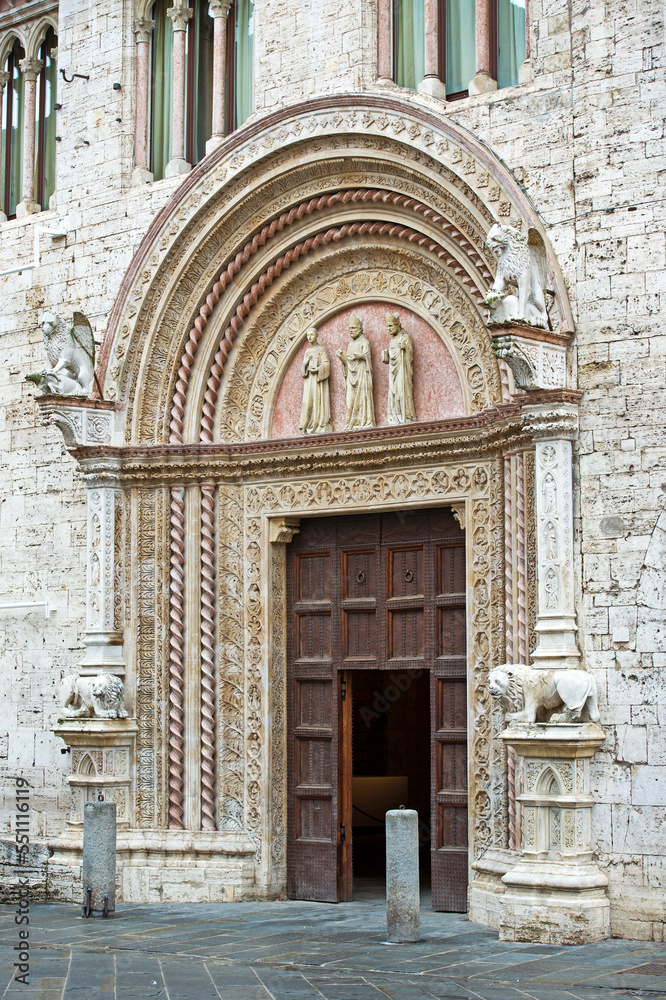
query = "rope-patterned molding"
x=363 y=196
x=389 y=229
x=176 y=671
x=208 y=658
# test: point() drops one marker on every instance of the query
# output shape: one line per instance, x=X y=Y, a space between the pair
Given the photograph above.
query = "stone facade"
x=196 y=530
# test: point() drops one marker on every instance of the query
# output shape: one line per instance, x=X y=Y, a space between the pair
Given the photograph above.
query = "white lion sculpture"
x=522 y=259
x=524 y=690
x=71 y=354
x=99 y=697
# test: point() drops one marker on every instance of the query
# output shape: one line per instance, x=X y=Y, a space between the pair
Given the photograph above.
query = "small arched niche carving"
x=87 y=766
x=549 y=783
x=436 y=384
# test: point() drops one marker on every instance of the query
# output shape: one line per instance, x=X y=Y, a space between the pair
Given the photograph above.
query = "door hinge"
x=343 y=690
x=343 y=834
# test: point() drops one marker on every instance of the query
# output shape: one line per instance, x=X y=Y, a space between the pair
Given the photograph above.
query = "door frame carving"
x=475 y=489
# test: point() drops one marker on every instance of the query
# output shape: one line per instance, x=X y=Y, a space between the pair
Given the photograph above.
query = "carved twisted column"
x=219 y=10
x=208 y=721
x=143 y=30
x=483 y=80
x=176 y=591
x=31 y=68
x=431 y=83
x=178 y=164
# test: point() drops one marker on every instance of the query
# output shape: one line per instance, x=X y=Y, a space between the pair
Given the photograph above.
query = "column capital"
x=143 y=29
x=4 y=77
x=551 y=421
x=179 y=17
x=30 y=67
x=219 y=8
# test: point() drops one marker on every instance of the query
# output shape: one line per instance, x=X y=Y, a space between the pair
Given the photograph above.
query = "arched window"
x=483 y=40
x=46 y=124
x=13 y=113
x=199 y=51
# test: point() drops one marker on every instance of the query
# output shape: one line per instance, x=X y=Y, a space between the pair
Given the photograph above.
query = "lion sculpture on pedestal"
x=521 y=259
x=525 y=690
x=99 y=697
x=71 y=354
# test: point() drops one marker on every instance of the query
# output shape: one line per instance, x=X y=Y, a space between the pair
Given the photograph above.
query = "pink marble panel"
x=437 y=391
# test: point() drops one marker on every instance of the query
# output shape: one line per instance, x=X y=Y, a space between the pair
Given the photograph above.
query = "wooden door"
x=381 y=592
x=448 y=701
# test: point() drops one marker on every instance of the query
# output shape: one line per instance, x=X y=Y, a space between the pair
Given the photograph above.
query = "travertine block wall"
x=586 y=139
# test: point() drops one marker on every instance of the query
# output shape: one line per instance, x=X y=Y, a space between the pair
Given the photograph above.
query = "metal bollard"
x=402 y=875
x=99 y=859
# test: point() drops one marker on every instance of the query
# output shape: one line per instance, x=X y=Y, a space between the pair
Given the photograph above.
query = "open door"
x=384 y=594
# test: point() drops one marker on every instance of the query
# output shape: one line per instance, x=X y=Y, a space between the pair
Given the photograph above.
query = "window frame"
x=40 y=131
x=8 y=109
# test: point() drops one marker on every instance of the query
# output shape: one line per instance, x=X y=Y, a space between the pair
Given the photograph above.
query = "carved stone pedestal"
x=556 y=894
x=102 y=754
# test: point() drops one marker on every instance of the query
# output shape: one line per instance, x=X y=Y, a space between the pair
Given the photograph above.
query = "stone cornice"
x=489 y=433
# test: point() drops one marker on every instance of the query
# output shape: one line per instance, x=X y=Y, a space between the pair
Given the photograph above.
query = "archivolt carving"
x=339 y=279
x=390 y=129
x=192 y=290
x=361 y=196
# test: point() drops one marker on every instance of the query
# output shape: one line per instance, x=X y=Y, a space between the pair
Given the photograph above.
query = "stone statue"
x=526 y=690
x=357 y=367
x=523 y=259
x=316 y=408
x=71 y=354
x=399 y=356
x=98 y=697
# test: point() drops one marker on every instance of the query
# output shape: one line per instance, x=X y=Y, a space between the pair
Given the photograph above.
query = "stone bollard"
x=402 y=875
x=99 y=859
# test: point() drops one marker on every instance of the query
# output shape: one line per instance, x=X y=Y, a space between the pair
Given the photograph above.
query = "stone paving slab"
x=305 y=951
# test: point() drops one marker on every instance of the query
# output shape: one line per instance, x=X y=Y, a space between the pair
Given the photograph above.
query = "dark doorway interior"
x=390 y=763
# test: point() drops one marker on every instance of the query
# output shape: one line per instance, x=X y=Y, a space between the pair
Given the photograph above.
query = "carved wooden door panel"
x=312 y=719
x=448 y=701
x=375 y=592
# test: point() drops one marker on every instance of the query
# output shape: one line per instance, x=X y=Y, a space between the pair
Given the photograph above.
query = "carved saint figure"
x=357 y=368
x=549 y=494
x=552 y=588
x=316 y=408
x=550 y=539
x=399 y=356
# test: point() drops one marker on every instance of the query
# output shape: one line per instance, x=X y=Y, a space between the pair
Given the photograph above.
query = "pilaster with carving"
x=556 y=621
x=103 y=640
